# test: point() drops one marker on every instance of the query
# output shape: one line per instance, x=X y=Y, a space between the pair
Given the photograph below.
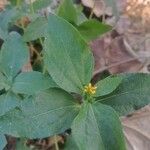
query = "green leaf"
x=70 y=144
x=16 y=2
x=3 y=34
x=85 y=130
x=8 y=102
x=39 y=4
x=67 y=11
x=6 y=18
x=36 y=29
x=81 y=18
x=48 y=113
x=91 y=29
x=67 y=57
x=3 y=81
x=31 y=83
x=14 y=55
x=98 y=127
x=107 y=85
x=132 y=94
x=3 y=142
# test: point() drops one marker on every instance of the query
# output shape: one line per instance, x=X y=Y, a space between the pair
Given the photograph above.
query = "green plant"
x=40 y=104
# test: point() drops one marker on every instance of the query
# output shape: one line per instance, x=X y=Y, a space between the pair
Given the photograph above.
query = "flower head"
x=89 y=89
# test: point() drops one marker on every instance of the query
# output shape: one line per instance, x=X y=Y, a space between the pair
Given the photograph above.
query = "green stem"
x=31 y=7
x=41 y=42
x=18 y=3
x=56 y=143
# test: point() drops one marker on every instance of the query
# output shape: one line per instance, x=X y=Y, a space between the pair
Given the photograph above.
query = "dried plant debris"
x=137 y=129
x=2 y=4
x=139 y=11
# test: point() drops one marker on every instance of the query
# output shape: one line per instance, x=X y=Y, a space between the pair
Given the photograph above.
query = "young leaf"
x=14 y=54
x=132 y=94
x=31 y=83
x=8 y=102
x=3 y=141
x=81 y=18
x=98 y=127
x=48 y=113
x=107 y=85
x=67 y=57
x=91 y=29
x=36 y=29
x=67 y=11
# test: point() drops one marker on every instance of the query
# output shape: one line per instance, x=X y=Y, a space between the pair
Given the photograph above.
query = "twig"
x=56 y=142
x=130 y=50
x=92 y=11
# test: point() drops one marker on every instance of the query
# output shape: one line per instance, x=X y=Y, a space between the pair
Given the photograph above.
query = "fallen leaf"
x=112 y=55
x=137 y=129
x=98 y=7
x=2 y=4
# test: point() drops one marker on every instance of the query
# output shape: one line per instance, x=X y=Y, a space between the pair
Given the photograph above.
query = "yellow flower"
x=90 y=89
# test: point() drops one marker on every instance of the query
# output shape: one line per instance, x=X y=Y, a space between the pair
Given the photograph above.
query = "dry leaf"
x=98 y=7
x=111 y=54
x=137 y=129
x=2 y=4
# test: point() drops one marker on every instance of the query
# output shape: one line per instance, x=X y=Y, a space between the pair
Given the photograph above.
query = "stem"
x=56 y=143
x=103 y=15
x=18 y=3
x=92 y=11
x=31 y=7
x=22 y=25
x=41 y=42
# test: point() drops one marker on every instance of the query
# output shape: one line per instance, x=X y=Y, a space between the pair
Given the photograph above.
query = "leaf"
x=14 y=54
x=3 y=81
x=31 y=83
x=3 y=142
x=85 y=130
x=137 y=129
x=36 y=29
x=67 y=11
x=81 y=18
x=67 y=57
x=48 y=113
x=6 y=17
x=39 y=4
x=8 y=102
x=132 y=94
x=15 y=3
x=3 y=34
x=70 y=144
x=94 y=123
x=91 y=29
x=107 y=85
